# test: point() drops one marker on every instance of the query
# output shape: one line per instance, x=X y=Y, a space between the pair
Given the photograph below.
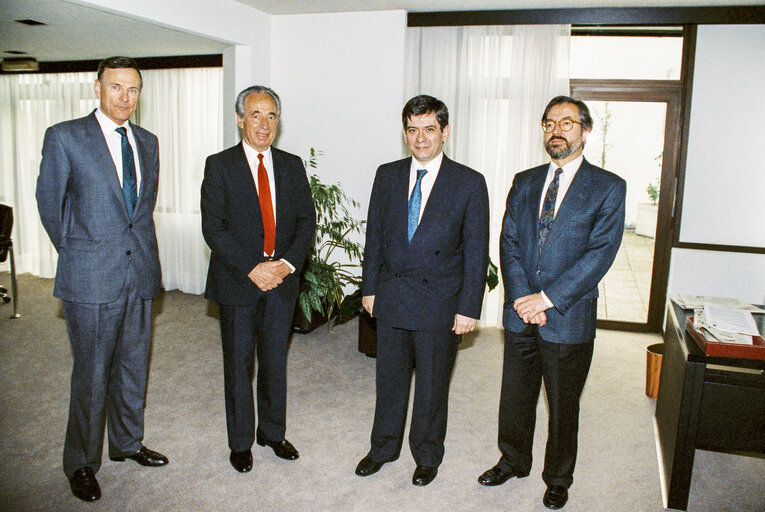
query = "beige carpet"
x=331 y=394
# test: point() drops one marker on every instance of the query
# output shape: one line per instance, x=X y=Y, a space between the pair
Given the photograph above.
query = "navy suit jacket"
x=580 y=247
x=422 y=285
x=233 y=226
x=82 y=208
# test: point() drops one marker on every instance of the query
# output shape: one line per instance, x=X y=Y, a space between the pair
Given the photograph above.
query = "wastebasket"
x=654 y=355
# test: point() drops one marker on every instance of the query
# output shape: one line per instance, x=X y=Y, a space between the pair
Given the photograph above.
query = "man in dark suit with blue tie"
x=424 y=276
x=258 y=219
x=561 y=231
x=96 y=194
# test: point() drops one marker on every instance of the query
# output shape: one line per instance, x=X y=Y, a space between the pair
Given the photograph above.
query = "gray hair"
x=257 y=89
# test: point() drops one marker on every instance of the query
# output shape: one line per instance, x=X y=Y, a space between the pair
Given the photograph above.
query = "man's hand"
x=368 y=301
x=463 y=324
x=529 y=306
x=268 y=274
x=540 y=319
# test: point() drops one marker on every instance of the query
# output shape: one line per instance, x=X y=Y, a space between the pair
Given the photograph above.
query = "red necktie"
x=266 y=208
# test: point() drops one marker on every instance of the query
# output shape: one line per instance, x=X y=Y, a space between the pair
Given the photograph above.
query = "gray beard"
x=563 y=151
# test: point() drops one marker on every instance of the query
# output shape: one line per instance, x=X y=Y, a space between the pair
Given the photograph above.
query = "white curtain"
x=496 y=82
x=183 y=107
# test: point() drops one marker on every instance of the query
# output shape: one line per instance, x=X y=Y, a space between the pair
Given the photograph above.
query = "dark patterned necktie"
x=129 y=190
x=548 y=208
x=414 y=203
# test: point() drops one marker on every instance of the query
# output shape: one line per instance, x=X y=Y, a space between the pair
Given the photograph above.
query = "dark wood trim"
x=720 y=247
x=589 y=31
x=626 y=90
x=177 y=62
x=686 y=76
x=594 y=16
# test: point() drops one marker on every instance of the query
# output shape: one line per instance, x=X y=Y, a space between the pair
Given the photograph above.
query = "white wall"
x=340 y=78
x=725 y=176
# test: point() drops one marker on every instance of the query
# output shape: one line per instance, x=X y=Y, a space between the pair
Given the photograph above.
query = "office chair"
x=6 y=248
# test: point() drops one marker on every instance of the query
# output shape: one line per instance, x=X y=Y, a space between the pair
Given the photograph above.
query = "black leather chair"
x=6 y=248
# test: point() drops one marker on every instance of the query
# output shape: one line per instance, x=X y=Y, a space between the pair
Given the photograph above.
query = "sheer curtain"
x=183 y=107
x=496 y=81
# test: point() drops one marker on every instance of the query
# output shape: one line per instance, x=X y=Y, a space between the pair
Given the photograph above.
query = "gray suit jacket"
x=83 y=210
x=421 y=285
x=580 y=247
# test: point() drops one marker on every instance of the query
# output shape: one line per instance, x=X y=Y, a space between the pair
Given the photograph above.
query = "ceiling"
x=77 y=32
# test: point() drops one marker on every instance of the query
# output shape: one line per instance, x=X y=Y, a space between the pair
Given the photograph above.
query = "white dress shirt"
x=566 y=177
x=426 y=185
x=114 y=143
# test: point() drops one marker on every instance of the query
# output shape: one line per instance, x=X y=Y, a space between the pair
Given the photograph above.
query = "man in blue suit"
x=424 y=276
x=258 y=219
x=96 y=194
x=562 y=227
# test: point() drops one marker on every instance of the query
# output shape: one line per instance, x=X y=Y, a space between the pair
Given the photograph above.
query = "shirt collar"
x=252 y=153
x=107 y=125
x=432 y=167
x=570 y=168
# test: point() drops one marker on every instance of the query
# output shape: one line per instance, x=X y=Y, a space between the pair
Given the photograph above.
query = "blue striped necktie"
x=129 y=190
x=414 y=203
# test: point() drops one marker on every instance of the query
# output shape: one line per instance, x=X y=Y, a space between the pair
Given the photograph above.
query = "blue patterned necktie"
x=548 y=208
x=129 y=190
x=414 y=203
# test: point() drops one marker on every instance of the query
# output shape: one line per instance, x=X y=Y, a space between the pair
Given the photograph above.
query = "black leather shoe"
x=84 y=485
x=423 y=475
x=498 y=476
x=555 y=497
x=144 y=457
x=282 y=449
x=367 y=466
x=242 y=461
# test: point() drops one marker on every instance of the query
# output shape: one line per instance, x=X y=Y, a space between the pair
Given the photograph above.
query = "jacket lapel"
x=437 y=201
x=244 y=183
x=103 y=158
x=399 y=212
x=143 y=159
x=572 y=201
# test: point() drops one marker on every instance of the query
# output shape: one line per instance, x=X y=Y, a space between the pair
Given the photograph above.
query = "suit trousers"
x=110 y=347
x=398 y=351
x=270 y=322
x=528 y=360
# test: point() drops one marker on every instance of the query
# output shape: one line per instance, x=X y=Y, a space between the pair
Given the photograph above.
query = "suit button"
x=425 y=281
x=398 y=275
x=539 y=272
x=130 y=226
x=127 y=252
x=437 y=253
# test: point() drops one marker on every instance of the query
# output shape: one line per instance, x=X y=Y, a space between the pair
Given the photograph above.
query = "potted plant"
x=645 y=225
x=368 y=325
x=330 y=280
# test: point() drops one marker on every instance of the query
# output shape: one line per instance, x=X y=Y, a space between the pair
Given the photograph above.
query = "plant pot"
x=301 y=325
x=654 y=355
x=645 y=224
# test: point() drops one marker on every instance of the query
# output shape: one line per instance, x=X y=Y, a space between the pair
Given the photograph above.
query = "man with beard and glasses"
x=562 y=227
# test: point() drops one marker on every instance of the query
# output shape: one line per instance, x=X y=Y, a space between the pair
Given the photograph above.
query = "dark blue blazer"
x=233 y=226
x=82 y=208
x=422 y=285
x=582 y=244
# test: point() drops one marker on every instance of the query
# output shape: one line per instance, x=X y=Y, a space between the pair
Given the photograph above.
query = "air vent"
x=14 y=52
x=19 y=65
x=30 y=22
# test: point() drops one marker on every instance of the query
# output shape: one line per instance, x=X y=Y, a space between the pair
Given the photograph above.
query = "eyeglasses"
x=565 y=125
